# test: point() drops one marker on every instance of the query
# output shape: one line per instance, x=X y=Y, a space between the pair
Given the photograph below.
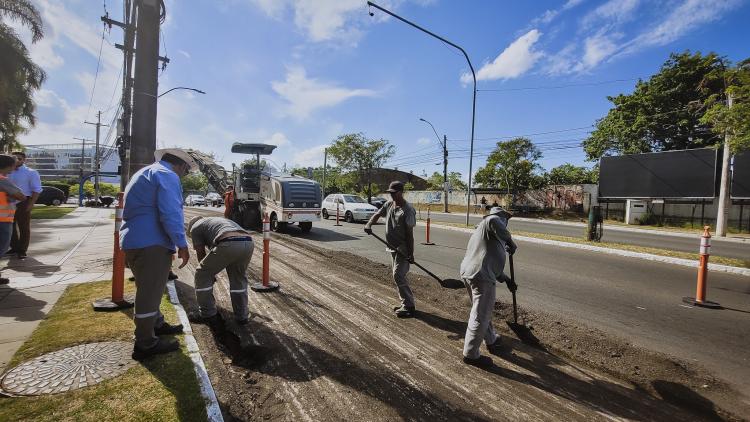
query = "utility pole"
x=143 y=140
x=445 y=172
x=98 y=125
x=80 y=172
x=722 y=214
x=369 y=183
x=325 y=167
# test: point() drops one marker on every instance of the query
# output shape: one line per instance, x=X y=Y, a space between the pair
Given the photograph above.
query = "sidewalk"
x=76 y=248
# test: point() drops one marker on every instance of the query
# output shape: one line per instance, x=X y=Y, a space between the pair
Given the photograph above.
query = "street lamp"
x=474 y=93
x=445 y=162
x=180 y=87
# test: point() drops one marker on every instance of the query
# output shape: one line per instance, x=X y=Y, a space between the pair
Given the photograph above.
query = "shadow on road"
x=319 y=234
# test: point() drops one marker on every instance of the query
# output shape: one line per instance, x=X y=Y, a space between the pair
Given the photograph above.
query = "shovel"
x=448 y=283
x=522 y=332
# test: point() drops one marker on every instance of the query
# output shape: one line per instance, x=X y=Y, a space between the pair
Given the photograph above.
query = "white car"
x=214 y=199
x=193 y=200
x=351 y=207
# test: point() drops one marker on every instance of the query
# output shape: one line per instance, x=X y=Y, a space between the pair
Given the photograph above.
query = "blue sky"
x=298 y=73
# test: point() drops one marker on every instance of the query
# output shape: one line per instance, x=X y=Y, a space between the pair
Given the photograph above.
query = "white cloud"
x=423 y=141
x=550 y=14
x=514 y=61
x=320 y=20
x=184 y=53
x=310 y=157
x=596 y=49
x=683 y=19
x=305 y=95
x=613 y=12
x=278 y=139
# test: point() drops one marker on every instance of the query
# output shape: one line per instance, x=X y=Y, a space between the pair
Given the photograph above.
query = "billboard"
x=684 y=174
x=741 y=176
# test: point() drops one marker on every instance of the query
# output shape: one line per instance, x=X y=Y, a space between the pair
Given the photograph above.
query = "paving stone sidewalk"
x=76 y=248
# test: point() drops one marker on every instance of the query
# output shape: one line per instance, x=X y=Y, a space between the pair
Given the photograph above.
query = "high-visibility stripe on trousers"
x=150 y=268
x=235 y=258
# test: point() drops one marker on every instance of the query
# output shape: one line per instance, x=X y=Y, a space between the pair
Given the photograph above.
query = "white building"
x=65 y=161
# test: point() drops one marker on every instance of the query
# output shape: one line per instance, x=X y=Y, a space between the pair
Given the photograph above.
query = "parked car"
x=378 y=201
x=107 y=201
x=351 y=207
x=51 y=196
x=214 y=199
x=193 y=200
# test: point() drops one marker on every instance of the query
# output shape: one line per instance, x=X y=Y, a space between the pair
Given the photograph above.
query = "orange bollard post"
x=427 y=232
x=700 y=288
x=266 y=285
x=118 y=299
x=337 y=215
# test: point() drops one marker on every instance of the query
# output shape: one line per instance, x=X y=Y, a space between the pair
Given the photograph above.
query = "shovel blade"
x=525 y=335
x=452 y=283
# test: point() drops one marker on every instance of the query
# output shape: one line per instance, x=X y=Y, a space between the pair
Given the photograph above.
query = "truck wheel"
x=325 y=214
x=349 y=217
x=305 y=226
x=276 y=225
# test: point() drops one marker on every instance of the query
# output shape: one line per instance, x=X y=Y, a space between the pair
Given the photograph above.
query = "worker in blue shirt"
x=152 y=230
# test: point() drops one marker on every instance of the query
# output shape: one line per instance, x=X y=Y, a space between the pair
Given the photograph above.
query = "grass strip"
x=41 y=212
x=163 y=388
x=733 y=262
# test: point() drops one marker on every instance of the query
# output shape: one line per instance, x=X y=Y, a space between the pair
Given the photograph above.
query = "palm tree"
x=19 y=76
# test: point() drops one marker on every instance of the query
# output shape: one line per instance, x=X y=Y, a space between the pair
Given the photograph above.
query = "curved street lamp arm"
x=180 y=87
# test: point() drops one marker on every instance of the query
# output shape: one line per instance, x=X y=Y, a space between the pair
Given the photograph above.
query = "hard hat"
x=179 y=153
x=501 y=212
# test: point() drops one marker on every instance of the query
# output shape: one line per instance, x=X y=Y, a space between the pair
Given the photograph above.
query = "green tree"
x=435 y=182
x=512 y=166
x=353 y=152
x=663 y=113
x=195 y=182
x=735 y=120
x=19 y=76
x=568 y=174
x=455 y=180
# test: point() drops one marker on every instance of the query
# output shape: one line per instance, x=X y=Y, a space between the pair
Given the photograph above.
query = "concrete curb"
x=619 y=252
x=207 y=391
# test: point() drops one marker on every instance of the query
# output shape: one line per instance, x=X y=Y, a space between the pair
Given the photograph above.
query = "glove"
x=512 y=286
x=368 y=230
x=410 y=258
x=512 y=248
x=502 y=278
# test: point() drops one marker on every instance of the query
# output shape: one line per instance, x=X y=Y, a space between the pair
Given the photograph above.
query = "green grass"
x=43 y=212
x=625 y=247
x=163 y=388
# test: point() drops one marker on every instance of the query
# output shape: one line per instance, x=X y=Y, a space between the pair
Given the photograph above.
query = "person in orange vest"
x=9 y=195
x=228 y=201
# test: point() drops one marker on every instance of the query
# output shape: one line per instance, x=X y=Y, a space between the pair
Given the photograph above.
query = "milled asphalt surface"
x=634 y=299
x=729 y=249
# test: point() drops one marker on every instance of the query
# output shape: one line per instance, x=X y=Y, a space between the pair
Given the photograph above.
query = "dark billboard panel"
x=684 y=174
x=741 y=176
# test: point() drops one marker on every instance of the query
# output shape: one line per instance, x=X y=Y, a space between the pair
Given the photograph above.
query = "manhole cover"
x=69 y=369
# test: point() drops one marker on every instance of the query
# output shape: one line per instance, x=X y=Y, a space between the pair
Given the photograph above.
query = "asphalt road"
x=634 y=299
x=729 y=249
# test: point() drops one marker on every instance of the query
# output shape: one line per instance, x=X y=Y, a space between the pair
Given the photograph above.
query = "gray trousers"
x=150 y=268
x=400 y=269
x=482 y=295
x=235 y=257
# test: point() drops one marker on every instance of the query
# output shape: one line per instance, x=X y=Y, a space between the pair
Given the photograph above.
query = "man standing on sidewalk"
x=9 y=195
x=400 y=219
x=31 y=185
x=230 y=247
x=153 y=228
x=481 y=267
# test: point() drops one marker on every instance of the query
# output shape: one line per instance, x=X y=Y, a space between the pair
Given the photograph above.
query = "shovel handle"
x=440 y=280
x=513 y=280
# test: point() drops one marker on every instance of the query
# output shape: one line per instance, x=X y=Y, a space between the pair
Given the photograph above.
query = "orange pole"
x=700 y=288
x=266 y=250
x=427 y=232
x=118 y=256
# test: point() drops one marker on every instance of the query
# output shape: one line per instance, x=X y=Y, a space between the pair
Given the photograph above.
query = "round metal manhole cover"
x=69 y=369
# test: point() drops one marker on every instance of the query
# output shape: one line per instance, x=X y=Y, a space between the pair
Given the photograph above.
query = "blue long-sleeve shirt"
x=153 y=209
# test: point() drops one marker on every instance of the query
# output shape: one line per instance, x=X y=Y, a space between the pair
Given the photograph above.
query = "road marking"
x=685 y=306
x=641 y=308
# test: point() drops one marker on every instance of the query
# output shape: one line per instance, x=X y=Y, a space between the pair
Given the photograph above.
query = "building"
x=65 y=161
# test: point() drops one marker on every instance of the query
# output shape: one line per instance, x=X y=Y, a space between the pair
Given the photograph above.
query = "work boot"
x=480 y=362
x=162 y=346
x=4 y=280
x=497 y=347
x=167 y=329
x=405 y=312
x=212 y=321
x=172 y=276
x=11 y=252
x=21 y=255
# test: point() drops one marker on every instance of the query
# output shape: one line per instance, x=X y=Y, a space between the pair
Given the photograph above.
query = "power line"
x=534 y=88
x=525 y=135
x=96 y=75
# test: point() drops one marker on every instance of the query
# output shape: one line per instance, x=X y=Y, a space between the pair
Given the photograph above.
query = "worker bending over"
x=400 y=219
x=229 y=247
x=481 y=268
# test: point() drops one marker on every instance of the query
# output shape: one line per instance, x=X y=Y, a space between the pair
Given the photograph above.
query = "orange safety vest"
x=7 y=209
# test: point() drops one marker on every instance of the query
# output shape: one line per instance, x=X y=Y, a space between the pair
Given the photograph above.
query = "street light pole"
x=474 y=93
x=444 y=144
x=180 y=87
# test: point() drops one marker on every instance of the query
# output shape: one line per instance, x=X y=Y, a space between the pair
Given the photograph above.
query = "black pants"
x=21 y=237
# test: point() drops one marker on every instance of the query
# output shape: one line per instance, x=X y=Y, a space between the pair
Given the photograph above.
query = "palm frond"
x=24 y=12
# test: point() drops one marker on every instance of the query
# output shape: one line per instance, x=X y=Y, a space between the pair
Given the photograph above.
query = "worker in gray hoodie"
x=481 y=268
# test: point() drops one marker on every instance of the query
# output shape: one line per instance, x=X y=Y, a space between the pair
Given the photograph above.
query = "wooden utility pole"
x=722 y=214
x=445 y=172
x=98 y=125
x=143 y=140
x=325 y=168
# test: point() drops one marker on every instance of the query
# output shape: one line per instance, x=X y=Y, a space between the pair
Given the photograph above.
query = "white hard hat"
x=179 y=153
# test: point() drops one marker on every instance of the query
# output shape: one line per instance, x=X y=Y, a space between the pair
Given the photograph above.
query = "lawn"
x=163 y=388
x=45 y=212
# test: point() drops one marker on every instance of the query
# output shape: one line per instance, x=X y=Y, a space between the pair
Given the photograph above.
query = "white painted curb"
x=619 y=252
x=207 y=391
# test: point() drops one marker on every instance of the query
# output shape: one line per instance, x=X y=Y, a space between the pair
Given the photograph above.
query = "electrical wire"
x=96 y=75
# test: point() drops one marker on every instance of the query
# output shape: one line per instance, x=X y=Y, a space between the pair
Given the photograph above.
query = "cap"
x=192 y=222
x=179 y=153
x=396 y=187
x=500 y=211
